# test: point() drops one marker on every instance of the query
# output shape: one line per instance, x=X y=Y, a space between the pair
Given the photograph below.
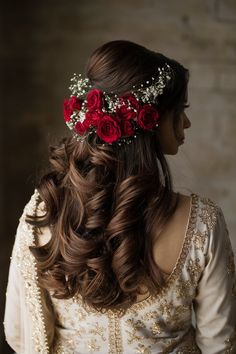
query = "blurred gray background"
x=44 y=43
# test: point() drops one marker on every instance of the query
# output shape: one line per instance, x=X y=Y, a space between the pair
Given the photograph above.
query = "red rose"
x=67 y=110
x=134 y=103
x=108 y=129
x=125 y=112
x=75 y=103
x=94 y=117
x=128 y=108
x=128 y=128
x=69 y=105
x=148 y=117
x=80 y=127
x=95 y=99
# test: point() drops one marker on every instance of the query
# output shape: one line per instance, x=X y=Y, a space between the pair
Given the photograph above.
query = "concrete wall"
x=45 y=42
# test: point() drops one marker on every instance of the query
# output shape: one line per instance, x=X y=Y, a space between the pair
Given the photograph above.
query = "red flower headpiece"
x=113 y=118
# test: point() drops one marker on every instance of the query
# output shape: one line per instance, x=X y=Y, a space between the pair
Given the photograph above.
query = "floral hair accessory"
x=115 y=119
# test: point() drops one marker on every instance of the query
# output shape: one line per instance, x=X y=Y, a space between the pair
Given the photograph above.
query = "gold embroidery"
x=150 y=315
x=65 y=345
x=181 y=317
x=156 y=328
x=208 y=213
x=136 y=327
x=189 y=346
x=80 y=314
x=230 y=256
x=230 y=265
x=115 y=340
x=28 y=268
x=175 y=315
x=183 y=289
x=60 y=319
x=189 y=349
x=168 y=315
x=200 y=239
x=142 y=349
x=93 y=345
x=98 y=330
x=66 y=313
x=194 y=270
x=140 y=334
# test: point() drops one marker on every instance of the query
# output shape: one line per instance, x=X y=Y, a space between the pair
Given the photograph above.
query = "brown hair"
x=106 y=205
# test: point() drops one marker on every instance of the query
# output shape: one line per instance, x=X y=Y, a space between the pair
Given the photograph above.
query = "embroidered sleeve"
x=215 y=303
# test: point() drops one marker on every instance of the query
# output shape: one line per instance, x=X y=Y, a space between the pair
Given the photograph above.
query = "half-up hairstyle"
x=106 y=205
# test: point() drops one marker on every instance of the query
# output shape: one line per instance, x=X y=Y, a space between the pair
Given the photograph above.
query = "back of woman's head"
x=106 y=204
x=119 y=65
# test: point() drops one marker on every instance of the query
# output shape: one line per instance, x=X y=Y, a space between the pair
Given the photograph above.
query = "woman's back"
x=160 y=323
x=169 y=242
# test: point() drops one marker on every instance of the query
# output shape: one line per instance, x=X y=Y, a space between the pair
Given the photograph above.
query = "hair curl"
x=106 y=205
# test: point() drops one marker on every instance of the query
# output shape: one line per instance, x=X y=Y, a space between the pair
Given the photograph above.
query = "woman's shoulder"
x=205 y=207
x=208 y=210
x=30 y=206
x=203 y=199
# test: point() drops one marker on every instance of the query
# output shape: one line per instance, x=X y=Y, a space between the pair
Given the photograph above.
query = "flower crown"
x=115 y=119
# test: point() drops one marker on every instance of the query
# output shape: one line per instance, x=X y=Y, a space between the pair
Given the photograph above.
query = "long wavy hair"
x=105 y=206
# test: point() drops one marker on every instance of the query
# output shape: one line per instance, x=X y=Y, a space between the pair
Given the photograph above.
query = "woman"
x=107 y=257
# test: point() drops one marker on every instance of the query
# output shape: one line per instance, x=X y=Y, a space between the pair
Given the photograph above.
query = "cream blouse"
x=202 y=284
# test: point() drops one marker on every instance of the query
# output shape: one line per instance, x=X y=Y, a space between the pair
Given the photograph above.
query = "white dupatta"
x=29 y=321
